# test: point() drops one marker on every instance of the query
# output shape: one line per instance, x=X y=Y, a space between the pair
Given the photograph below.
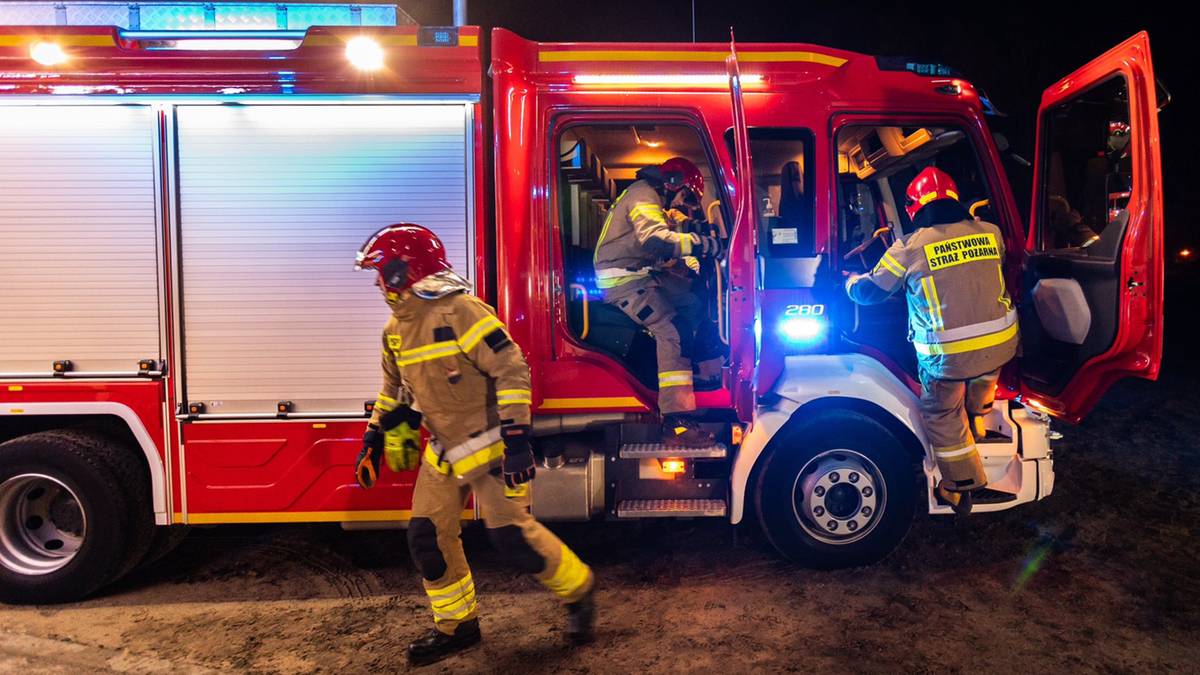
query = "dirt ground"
x=1103 y=576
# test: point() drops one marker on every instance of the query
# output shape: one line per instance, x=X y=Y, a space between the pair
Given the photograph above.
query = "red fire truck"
x=183 y=340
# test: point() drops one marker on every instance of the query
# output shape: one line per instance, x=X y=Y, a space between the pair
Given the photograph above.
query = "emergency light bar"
x=682 y=79
x=183 y=16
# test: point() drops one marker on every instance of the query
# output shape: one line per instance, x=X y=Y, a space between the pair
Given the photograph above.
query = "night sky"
x=1011 y=51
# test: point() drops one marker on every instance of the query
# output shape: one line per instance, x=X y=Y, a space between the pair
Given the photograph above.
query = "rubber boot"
x=683 y=432
x=438 y=645
x=581 y=618
x=959 y=501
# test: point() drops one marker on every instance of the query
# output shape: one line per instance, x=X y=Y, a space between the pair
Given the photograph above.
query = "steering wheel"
x=879 y=234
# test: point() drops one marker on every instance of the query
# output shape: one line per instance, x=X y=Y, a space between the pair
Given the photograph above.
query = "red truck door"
x=1092 y=301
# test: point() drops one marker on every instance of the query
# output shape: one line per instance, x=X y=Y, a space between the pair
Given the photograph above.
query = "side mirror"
x=1001 y=140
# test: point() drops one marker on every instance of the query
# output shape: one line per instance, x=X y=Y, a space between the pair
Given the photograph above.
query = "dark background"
x=1011 y=50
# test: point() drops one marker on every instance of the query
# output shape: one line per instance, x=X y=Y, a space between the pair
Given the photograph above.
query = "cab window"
x=1088 y=171
x=783 y=190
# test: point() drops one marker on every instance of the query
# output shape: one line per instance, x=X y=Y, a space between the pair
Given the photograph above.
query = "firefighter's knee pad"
x=687 y=335
x=510 y=541
x=423 y=546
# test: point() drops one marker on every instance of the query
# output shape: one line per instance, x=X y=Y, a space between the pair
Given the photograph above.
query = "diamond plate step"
x=671 y=508
x=644 y=450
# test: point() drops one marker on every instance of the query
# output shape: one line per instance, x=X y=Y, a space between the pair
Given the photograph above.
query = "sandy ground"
x=1103 y=576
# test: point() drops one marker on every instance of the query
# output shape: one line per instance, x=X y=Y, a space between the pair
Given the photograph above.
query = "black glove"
x=518 y=456
x=705 y=246
x=366 y=469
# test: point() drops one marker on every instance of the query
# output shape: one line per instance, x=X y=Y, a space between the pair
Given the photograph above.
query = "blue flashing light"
x=802 y=331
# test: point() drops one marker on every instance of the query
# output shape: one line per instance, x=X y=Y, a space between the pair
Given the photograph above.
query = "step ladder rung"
x=652 y=450
x=671 y=508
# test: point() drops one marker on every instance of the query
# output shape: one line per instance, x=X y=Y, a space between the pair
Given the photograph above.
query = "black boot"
x=438 y=645
x=581 y=617
x=682 y=432
x=960 y=502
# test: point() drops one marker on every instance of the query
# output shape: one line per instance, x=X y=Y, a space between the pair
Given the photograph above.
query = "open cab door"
x=1092 y=301
x=742 y=256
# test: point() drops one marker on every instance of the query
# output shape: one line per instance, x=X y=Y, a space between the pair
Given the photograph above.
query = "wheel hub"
x=838 y=496
x=42 y=524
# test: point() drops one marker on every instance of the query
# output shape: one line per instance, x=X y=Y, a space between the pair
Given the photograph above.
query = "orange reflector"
x=736 y=434
x=673 y=465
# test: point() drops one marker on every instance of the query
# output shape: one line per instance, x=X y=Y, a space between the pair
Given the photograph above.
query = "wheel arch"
x=117 y=419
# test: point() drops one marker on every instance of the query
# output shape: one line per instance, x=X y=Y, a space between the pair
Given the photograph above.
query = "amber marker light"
x=673 y=466
x=47 y=53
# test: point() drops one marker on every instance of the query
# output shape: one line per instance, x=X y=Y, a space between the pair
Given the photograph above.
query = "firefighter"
x=635 y=243
x=961 y=322
x=450 y=366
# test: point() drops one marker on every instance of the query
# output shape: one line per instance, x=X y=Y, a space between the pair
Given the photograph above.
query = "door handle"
x=1134 y=284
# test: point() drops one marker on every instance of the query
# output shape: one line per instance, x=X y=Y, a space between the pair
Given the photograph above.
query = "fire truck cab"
x=184 y=340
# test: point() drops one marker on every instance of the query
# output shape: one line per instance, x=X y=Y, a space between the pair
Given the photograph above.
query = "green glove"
x=401 y=438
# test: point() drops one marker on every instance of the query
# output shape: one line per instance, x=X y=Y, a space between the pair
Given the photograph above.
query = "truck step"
x=654 y=450
x=671 y=508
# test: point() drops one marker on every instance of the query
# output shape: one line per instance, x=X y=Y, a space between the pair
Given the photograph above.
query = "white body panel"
x=79 y=263
x=274 y=200
x=1027 y=474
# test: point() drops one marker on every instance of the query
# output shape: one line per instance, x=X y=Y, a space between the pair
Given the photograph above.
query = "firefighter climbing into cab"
x=961 y=322
x=636 y=261
x=450 y=366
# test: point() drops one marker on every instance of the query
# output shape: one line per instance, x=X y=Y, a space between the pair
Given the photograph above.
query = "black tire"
x=165 y=540
x=130 y=470
x=71 y=468
x=851 y=470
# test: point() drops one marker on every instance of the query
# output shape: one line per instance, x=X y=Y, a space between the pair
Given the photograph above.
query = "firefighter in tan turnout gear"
x=961 y=322
x=447 y=355
x=637 y=239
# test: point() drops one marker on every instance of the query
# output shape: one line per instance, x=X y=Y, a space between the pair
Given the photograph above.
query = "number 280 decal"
x=804 y=310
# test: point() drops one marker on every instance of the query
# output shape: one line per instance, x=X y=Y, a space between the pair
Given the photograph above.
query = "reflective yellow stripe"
x=685 y=245
x=570 y=576
x=960 y=453
x=675 y=378
x=454 y=602
x=476 y=332
x=431 y=457
x=890 y=264
x=613 y=282
x=651 y=211
x=929 y=303
x=385 y=403
x=598 y=402
x=429 y=352
x=973 y=344
x=926 y=198
x=481 y=458
x=63 y=40
x=604 y=231
x=1004 y=299
x=936 y=308
x=514 y=396
x=952 y=194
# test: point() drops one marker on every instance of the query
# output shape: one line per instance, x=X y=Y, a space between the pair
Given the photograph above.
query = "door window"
x=783 y=190
x=1088 y=171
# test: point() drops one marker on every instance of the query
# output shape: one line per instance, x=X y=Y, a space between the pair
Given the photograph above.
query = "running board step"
x=655 y=450
x=671 y=508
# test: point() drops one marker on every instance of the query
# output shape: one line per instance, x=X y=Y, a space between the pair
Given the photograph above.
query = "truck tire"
x=838 y=491
x=130 y=470
x=63 y=514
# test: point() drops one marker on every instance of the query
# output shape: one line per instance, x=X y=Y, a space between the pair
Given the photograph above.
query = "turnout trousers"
x=436 y=547
x=945 y=407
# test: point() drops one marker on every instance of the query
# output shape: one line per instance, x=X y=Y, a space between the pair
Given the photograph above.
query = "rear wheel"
x=839 y=491
x=63 y=517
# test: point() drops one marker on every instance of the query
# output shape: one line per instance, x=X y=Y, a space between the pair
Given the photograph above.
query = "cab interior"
x=596 y=163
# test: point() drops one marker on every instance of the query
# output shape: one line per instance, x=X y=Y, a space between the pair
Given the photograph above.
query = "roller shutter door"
x=274 y=201
x=79 y=252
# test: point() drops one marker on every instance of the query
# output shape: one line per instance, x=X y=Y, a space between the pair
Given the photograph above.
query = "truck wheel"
x=62 y=518
x=839 y=491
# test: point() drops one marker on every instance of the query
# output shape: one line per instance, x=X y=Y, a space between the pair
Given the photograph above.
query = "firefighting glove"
x=401 y=438
x=705 y=246
x=518 y=456
x=366 y=469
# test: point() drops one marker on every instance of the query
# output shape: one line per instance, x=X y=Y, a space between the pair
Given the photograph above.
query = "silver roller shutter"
x=274 y=201
x=79 y=253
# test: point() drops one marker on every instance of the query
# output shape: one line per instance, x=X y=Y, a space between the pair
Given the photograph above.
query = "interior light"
x=802 y=330
x=1185 y=253
x=47 y=53
x=666 y=80
x=364 y=53
x=673 y=465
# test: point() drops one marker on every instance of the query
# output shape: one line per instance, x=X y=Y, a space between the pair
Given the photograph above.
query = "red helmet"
x=403 y=254
x=678 y=173
x=929 y=185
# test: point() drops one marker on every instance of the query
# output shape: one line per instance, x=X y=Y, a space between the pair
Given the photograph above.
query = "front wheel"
x=836 y=491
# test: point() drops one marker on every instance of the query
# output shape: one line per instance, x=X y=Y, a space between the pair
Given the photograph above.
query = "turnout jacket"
x=453 y=360
x=960 y=317
x=636 y=237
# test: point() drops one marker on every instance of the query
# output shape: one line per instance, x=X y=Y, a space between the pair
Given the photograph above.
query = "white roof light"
x=667 y=80
x=47 y=53
x=364 y=53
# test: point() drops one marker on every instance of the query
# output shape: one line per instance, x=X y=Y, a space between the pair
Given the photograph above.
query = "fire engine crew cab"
x=183 y=340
